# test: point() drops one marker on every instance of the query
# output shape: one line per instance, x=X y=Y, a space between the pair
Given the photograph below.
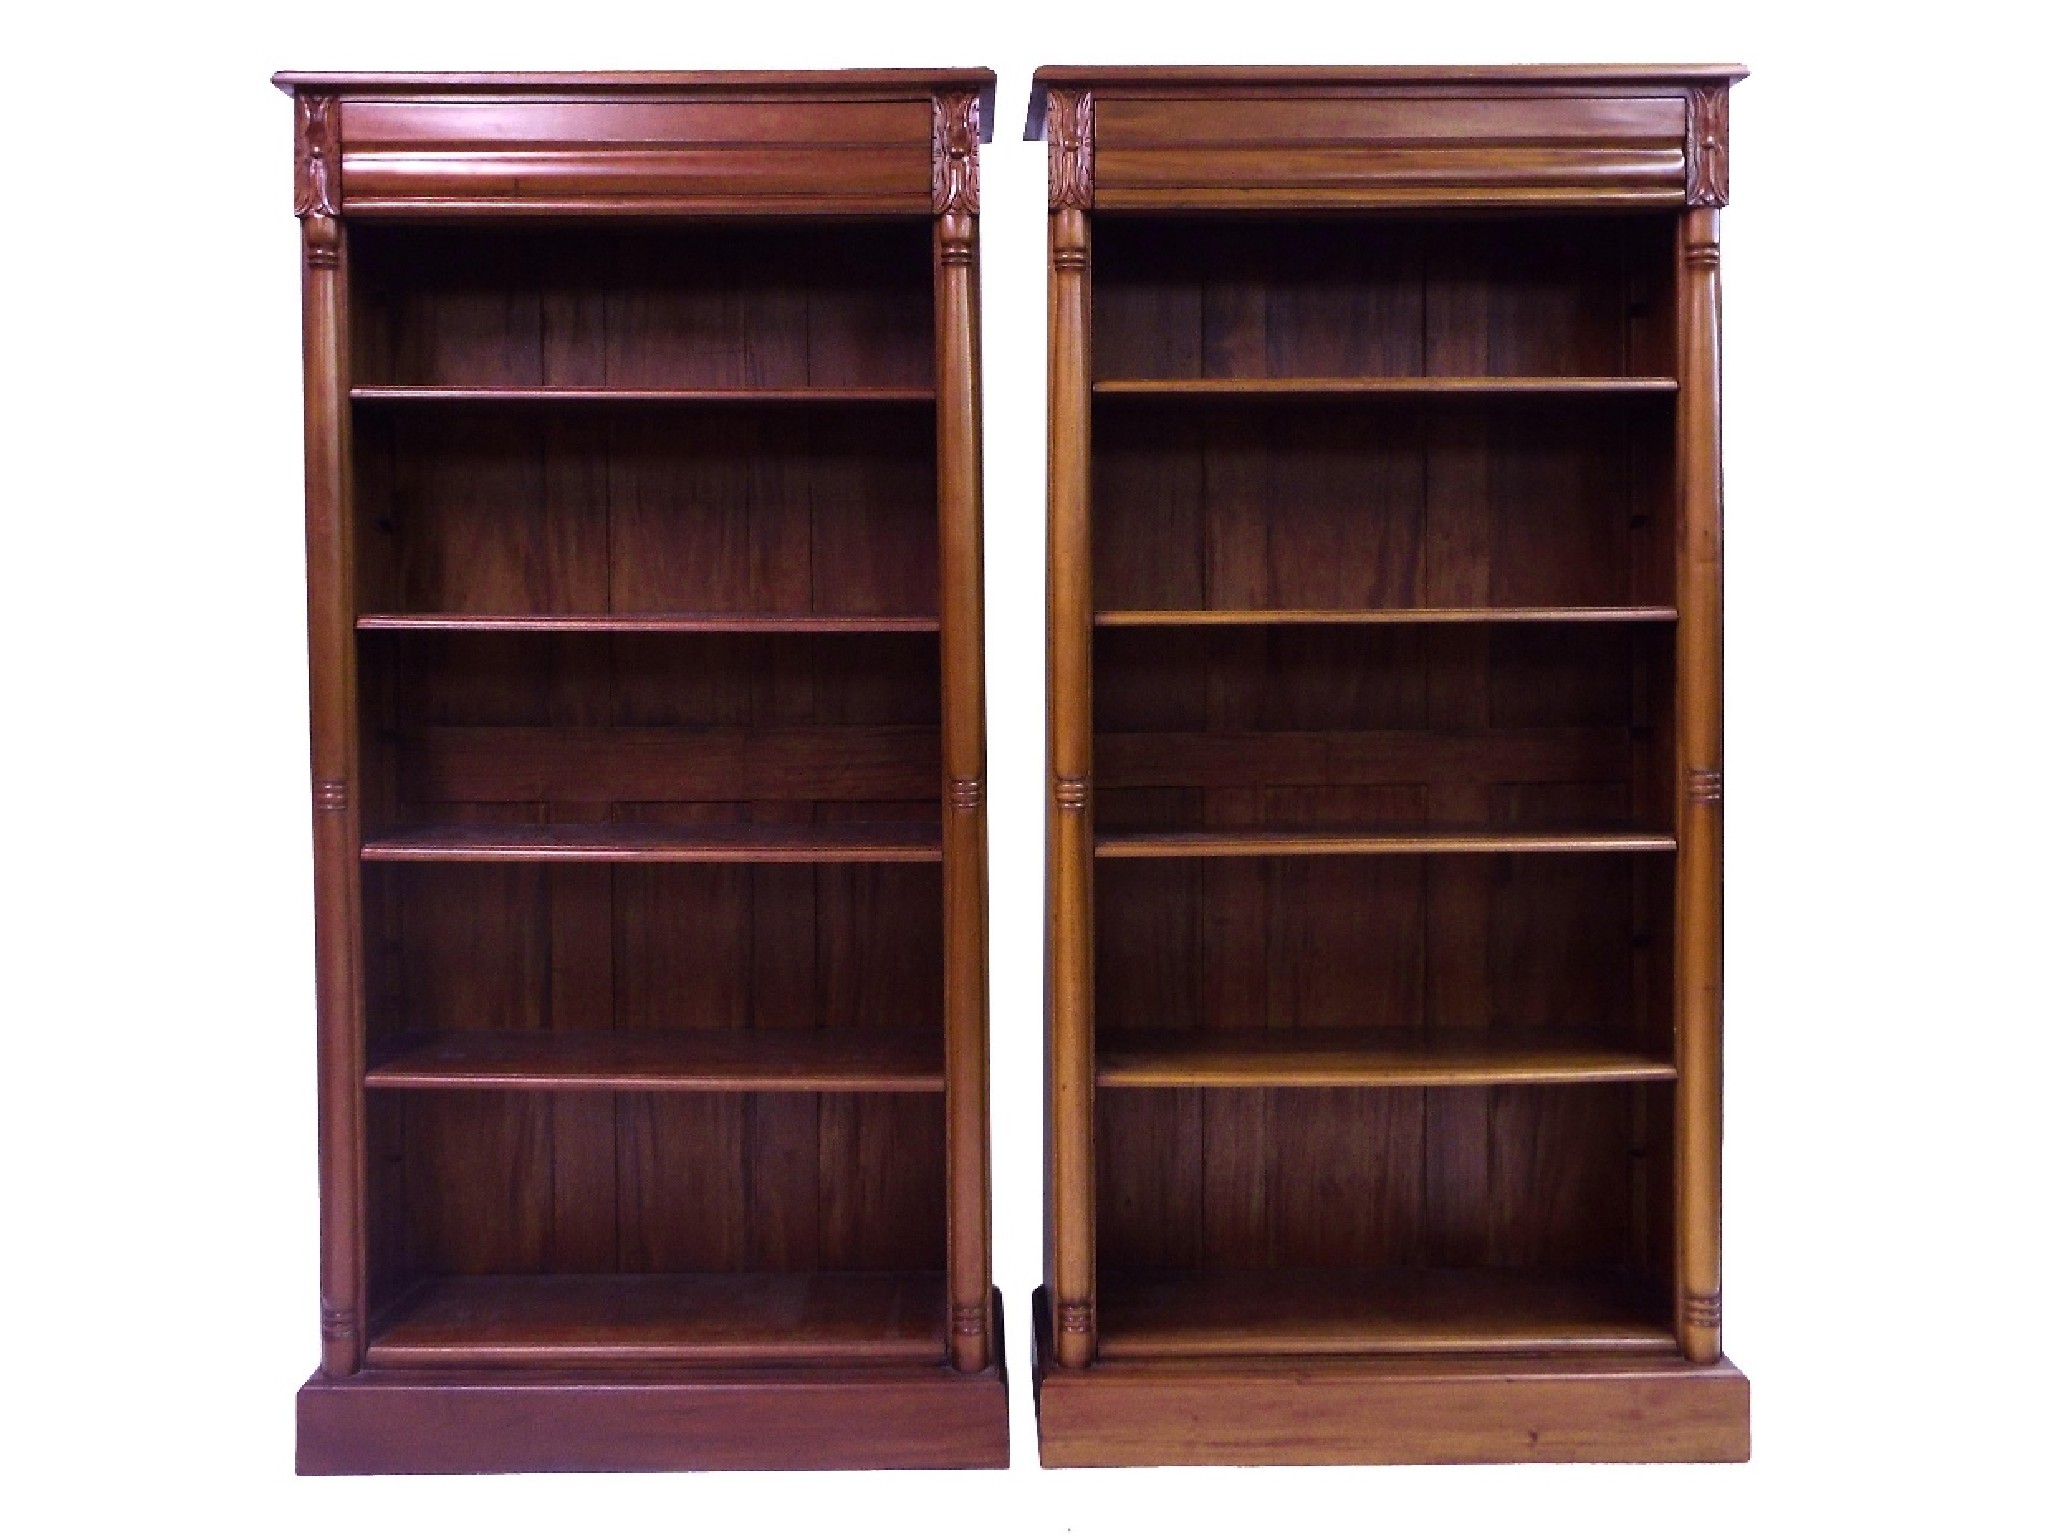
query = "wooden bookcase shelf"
x=600 y=1321
x=1384 y=1030
x=1290 y=844
x=645 y=601
x=668 y=1061
x=1473 y=1056
x=690 y=843
x=1396 y=387
x=1174 y=618
x=564 y=394
x=656 y=623
x=1311 y=1312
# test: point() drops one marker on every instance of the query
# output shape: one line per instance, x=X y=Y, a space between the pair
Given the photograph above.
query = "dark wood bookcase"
x=1385 y=792
x=644 y=553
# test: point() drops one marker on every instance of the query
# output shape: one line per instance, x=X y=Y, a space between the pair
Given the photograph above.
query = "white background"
x=1884 y=854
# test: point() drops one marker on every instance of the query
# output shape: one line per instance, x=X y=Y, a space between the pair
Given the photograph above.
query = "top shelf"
x=1397 y=387
x=395 y=394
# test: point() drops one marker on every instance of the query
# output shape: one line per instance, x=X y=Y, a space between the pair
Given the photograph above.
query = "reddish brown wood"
x=646 y=633
x=956 y=130
x=689 y=843
x=1400 y=936
x=840 y=1417
x=666 y=1061
x=654 y=623
x=566 y=1321
x=652 y=143
x=330 y=607
x=496 y=394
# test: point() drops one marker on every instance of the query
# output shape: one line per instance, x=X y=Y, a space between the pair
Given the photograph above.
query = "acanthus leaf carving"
x=317 y=184
x=1706 y=147
x=956 y=152
x=1070 y=138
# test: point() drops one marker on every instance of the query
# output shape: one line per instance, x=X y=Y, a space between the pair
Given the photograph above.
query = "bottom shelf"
x=1215 y=1313
x=576 y=1321
x=658 y=1418
x=1389 y=1409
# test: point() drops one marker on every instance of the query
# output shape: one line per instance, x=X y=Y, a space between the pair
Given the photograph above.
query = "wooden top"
x=1318 y=138
x=826 y=143
x=1194 y=79
x=837 y=83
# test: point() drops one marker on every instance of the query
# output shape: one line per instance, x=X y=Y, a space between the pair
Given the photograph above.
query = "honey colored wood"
x=1140 y=618
x=1382 y=414
x=1333 y=138
x=1699 y=799
x=646 y=636
x=1233 y=845
x=1364 y=1058
x=1337 y=1410
x=666 y=1061
x=1070 y=821
x=1393 y=387
x=1312 y=1313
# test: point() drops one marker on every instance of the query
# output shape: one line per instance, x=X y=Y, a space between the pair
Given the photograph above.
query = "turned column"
x=330 y=640
x=1071 y=815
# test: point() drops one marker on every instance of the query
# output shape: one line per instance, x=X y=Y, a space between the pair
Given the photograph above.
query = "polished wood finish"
x=655 y=623
x=1364 y=1058
x=1321 y=138
x=1236 y=845
x=1384 y=735
x=1699 y=788
x=1428 y=1407
x=437 y=394
x=563 y=1321
x=689 y=843
x=1070 y=820
x=1175 y=618
x=645 y=606
x=636 y=143
x=1175 y=1315
x=675 y=1061
x=1394 y=387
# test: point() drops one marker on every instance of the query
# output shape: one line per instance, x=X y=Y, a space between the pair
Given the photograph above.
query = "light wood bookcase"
x=1385 y=788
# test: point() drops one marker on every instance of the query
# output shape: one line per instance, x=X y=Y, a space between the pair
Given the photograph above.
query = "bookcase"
x=1384 y=784
x=644 y=575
